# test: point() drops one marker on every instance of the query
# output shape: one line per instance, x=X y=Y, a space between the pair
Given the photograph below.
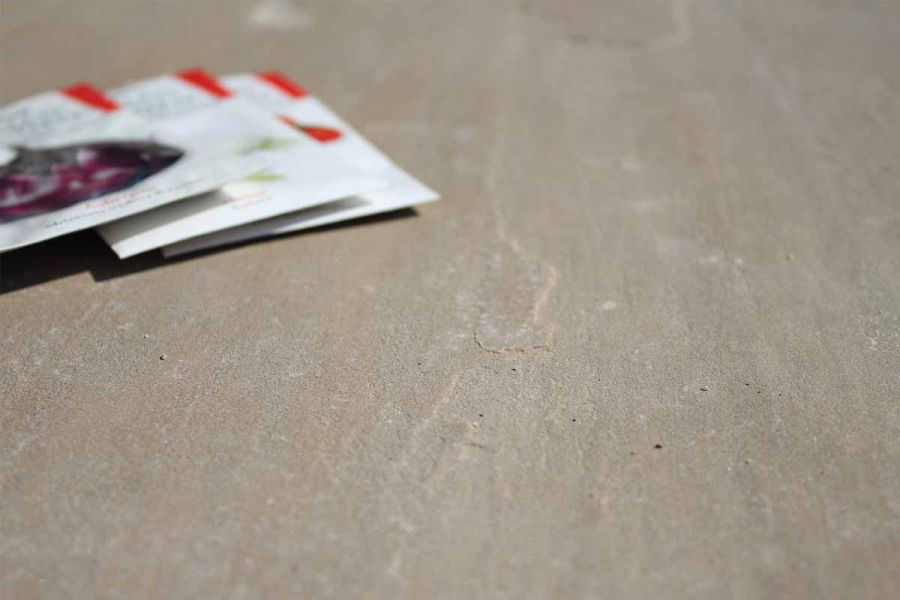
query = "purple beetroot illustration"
x=38 y=181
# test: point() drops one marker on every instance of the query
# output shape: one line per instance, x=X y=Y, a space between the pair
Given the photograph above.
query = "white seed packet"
x=278 y=94
x=72 y=159
x=298 y=173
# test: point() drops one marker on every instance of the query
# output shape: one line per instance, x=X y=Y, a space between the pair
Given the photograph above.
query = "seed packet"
x=73 y=159
x=297 y=174
x=306 y=113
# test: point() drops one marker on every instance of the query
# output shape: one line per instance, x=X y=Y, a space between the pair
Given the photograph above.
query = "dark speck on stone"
x=703 y=388
x=657 y=446
x=481 y=414
x=573 y=420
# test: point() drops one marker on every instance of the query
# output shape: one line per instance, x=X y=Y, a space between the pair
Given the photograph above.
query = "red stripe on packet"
x=88 y=94
x=204 y=81
x=283 y=83
x=320 y=134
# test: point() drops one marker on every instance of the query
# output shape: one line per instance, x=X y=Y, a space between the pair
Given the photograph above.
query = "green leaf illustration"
x=267 y=144
x=263 y=176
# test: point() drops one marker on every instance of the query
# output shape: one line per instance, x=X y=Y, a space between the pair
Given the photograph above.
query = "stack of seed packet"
x=186 y=162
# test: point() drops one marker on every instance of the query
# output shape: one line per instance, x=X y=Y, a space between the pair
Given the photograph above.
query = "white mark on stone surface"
x=551 y=279
x=646 y=206
x=463 y=135
x=710 y=259
x=280 y=14
x=444 y=398
x=631 y=164
x=517 y=286
x=609 y=305
x=681 y=30
x=513 y=302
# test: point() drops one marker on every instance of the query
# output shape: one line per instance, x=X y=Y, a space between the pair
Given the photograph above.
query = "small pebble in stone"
x=703 y=388
x=657 y=446
x=146 y=336
x=162 y=357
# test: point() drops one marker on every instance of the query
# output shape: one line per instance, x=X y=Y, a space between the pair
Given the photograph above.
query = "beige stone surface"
x=671 y=223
